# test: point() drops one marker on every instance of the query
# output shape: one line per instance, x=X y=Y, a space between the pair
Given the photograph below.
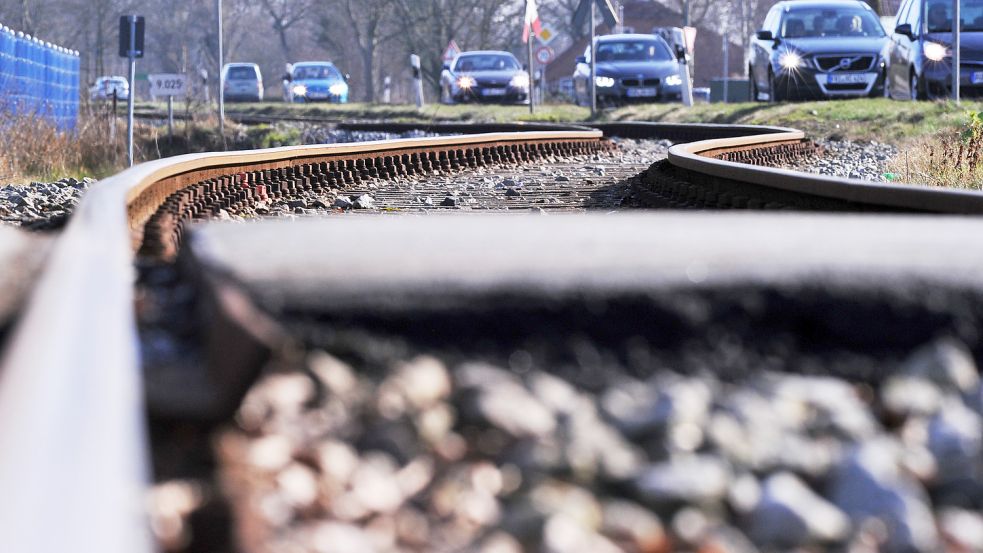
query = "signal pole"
x=956 y=58
x=221 y=76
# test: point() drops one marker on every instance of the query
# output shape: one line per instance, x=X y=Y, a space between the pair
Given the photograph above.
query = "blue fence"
x=38 y=79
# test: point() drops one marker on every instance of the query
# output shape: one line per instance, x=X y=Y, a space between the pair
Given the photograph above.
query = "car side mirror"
x=288 y=77
x=680 y=52
x=447 y=67
x=765 y=35
x=347 y=77
x=525 y=67
x=581 y=59
x=904 y=29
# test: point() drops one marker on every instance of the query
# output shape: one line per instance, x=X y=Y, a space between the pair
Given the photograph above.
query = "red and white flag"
x=531 y=21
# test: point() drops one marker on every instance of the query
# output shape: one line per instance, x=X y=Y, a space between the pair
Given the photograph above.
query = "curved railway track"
x=72 y=434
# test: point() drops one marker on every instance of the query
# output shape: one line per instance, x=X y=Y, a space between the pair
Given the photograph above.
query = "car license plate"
x=493 y=92
x=642 y=92
x=316 y=95
x=976 y=77
x=848 y=78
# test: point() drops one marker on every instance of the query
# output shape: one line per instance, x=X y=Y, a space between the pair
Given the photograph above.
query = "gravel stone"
x=401 y=447
x=364 y=201
x=853 y=159
x=869 y=483
x=790 y=515
x=697 y=479
x=39 y=205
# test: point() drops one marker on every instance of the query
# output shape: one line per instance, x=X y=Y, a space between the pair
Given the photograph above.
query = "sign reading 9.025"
x=168 y=84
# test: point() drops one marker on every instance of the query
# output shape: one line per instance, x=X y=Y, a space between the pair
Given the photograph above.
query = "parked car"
x=920 y=50
x=316 y=81
x=484 y=76
x=818 y=49
x=630 y=68
x=243 y=82
x=103 y=88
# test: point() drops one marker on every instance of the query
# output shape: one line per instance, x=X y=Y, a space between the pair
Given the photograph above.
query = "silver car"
x=243 y=82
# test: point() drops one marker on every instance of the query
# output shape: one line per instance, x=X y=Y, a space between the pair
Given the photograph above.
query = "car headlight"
x=604 y=82
x=465 y=82
x=674 y=80
x=935 y=51
x=299 y=90
x=338 y=89
x=790 y=60
x=520 y=81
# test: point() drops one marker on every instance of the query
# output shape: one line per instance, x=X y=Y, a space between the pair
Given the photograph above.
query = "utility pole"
x=956 y=58
x=132 y=55
x=593 y=65
x=532 y=74
x=221 y=76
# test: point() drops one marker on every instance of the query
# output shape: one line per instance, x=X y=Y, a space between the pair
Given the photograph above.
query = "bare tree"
x=285 y=15
x=430 y=24
x=370 y=25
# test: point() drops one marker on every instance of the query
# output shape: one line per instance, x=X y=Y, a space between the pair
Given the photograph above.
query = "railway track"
x=71 y=396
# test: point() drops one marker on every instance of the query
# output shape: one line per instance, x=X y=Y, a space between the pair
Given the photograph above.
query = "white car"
x=103 y=88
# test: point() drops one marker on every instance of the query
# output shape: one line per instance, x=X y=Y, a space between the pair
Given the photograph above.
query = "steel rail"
x=73 y=458
x=73 y=461
x=699 y=157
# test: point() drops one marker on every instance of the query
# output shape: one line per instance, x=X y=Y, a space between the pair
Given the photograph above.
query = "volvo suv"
x=813 y=49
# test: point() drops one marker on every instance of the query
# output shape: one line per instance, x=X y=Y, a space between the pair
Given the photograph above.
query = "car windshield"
x=938 y=16
x=486 y=62
x=633 y=50
x=310 y=72
x=831 y=22
x=241 y=74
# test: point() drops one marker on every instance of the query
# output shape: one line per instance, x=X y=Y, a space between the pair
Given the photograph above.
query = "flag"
x=531 y=21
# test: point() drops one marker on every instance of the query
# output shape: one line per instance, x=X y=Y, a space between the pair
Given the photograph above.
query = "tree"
x=285 y=15
x=369 y=24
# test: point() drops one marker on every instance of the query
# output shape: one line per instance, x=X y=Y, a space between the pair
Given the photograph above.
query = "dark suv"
x=920 y=50
x=818 y=49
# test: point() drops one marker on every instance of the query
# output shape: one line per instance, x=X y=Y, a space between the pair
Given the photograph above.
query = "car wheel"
x=916 y=89
x=775 y=94
x=755 y=95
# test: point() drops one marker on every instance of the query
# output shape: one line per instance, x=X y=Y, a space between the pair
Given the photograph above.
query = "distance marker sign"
x=168 y=84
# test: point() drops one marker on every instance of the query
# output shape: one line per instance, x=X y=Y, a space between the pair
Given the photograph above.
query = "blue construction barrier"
x=38 y=79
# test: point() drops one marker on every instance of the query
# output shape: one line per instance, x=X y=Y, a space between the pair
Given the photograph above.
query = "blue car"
x=316 y=81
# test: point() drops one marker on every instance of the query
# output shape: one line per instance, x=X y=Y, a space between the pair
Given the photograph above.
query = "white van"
x=243 y=82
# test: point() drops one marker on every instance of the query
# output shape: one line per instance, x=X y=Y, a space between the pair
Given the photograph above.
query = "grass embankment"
x=863 y=119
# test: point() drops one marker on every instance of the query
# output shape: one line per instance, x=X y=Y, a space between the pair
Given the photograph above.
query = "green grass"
x=399 y=112
x=862 y=119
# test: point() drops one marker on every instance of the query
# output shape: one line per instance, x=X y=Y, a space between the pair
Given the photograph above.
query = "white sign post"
x=417 y=79
x=170 y=85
